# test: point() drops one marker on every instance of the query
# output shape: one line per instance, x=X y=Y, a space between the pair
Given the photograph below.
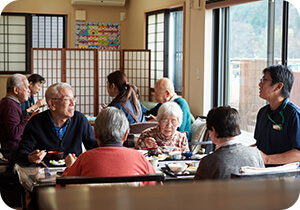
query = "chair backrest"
x=137 y=128
x=63 y=181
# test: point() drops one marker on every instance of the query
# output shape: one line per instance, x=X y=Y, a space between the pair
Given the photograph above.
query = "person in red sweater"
x=110 y=159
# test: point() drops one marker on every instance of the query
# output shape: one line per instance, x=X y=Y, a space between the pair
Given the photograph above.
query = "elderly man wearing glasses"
x=277 y=129
x=58 y=128
x=169 y=118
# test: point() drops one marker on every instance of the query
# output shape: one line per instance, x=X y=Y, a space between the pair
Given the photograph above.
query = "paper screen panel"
x=137 y=70
x=109 y=61
x=47 y=63
x=80 y=74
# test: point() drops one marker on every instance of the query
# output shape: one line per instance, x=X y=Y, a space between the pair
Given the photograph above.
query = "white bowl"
x=176 y=155
x=177 y=167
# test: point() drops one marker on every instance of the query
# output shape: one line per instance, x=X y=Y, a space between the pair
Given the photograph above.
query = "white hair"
x=111 y=125
x=170 y=108
x=16 y=80
x=54 y=90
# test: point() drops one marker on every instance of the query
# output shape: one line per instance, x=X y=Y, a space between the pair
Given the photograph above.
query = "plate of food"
x=57 y=162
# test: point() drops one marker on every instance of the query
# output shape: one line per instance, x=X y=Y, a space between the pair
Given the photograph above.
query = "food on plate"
x=57 y=162
x=162 y=157
x=191 y=168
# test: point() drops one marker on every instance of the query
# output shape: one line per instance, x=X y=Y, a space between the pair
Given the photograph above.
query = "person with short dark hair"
x=35 y=83
x=277 y=129
x=124 y=97
x=223 y=124
x=110 y=159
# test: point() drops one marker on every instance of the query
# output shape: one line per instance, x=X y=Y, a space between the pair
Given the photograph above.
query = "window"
x=250 y=37
x=164 y=37
x=21 y=32
x=12 y=43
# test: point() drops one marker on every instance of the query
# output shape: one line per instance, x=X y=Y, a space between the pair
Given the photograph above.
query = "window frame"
x=220 y=61
x=166 y=12
x=28 y=37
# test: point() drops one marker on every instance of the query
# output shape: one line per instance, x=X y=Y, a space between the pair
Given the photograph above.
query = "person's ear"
x=214 y=132
x=168 y=95
x=125 y=136
x=16 y=90
x=51 y=104
x=279 y=86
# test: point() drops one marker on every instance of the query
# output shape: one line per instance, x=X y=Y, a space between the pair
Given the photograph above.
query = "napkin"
x=253 y=170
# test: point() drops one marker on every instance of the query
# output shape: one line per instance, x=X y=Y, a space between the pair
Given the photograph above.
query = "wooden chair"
x=74 y=180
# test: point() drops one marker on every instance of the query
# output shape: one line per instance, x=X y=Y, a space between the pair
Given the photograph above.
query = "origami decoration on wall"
x=97 y=35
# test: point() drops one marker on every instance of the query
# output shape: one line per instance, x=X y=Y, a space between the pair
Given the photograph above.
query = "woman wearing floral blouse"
x=169 y=118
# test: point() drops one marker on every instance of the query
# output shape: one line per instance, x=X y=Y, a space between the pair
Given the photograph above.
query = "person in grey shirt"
x=230 y=155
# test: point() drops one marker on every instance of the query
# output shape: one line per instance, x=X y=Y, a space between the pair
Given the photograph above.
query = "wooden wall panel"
x=80 y=74
x=47 y=63
x=137 y=68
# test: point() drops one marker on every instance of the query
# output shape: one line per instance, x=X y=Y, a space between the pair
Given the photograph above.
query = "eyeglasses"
x=173 y=122
x=67 y=100
x=262 y=80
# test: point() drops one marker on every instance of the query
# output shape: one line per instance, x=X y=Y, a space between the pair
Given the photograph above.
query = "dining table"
x=227 y=194
x=32 y=176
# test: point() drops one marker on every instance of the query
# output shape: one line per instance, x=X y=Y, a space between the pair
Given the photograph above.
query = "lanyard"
x=279 y=126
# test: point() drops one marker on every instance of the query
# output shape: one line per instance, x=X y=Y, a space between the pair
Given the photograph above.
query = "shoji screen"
x=137 y=69
x=81 y=75
x=109 y=61
x=47 y=63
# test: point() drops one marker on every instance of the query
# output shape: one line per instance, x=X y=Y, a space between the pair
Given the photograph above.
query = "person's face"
x=160 y=94
x=23 y=92
x=65 y=104
x=168 y=125
x=111 y=89
x=35 y=88
x=266 y=90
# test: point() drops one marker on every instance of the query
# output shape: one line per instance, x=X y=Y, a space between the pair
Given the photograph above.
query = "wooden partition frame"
x=86 y=71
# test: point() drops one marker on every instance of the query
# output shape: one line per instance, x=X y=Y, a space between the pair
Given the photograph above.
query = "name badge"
x=277 y=127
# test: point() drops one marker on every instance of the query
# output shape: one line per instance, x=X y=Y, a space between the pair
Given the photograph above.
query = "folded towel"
x=253 y=170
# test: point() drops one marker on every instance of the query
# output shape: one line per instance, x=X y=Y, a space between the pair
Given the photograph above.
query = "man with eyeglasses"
x=277 y=129
x=60 y=128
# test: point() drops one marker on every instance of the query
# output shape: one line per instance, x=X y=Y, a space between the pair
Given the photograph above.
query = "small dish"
x=57 y=163
x=176 y=155
x=187 y=154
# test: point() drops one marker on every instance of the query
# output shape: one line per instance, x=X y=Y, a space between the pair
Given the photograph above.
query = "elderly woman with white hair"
x=169 y=118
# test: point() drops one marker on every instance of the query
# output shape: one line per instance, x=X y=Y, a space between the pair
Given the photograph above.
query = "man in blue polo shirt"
x=277 y=128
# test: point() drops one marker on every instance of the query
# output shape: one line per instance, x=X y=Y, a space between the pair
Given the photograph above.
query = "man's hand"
x=70 y=159
x=37 y=156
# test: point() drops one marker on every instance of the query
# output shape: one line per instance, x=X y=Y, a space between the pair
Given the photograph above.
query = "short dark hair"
x=34 y=78
x=280 y=73
x=225 y=120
